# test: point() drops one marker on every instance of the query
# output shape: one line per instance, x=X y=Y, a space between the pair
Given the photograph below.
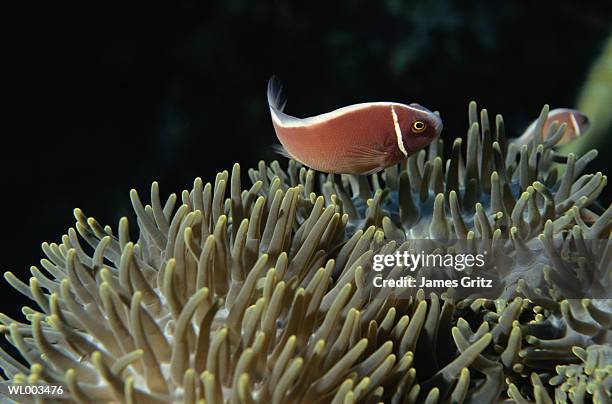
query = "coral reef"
x=261 y=294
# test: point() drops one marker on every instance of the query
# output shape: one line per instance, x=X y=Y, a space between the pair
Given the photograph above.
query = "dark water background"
x=102 y=98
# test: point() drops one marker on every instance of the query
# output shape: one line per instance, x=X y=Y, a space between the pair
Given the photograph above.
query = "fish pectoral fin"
x=366 y=154
x=367 y=159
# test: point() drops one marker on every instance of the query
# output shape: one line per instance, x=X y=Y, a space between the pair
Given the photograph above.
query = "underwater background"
x=106 y=99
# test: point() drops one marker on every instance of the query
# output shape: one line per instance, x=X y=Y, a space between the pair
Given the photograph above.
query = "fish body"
x=357 y=139
x=577 y=123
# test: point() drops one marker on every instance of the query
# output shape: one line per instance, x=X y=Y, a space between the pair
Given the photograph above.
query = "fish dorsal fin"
x=276 y=97
x=277 y=102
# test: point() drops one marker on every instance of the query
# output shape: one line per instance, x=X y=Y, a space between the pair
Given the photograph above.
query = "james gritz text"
x=430 y=264
x=410 y=282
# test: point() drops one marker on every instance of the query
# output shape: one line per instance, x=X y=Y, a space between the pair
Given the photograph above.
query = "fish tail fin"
x=276 y=97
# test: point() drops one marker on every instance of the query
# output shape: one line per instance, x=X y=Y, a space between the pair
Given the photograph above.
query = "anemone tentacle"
x=258 y=294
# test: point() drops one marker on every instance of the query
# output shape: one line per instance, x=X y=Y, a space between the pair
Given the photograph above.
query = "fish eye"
x=418 y=126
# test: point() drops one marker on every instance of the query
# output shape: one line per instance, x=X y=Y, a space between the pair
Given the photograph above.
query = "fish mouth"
x=438 y=125
x=584 y=122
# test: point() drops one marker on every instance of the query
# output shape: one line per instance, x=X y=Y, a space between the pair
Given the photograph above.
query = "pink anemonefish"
x=357 y=139
x=577 y=123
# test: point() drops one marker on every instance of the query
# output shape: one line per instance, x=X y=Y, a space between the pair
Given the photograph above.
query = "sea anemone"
x=263 y=294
